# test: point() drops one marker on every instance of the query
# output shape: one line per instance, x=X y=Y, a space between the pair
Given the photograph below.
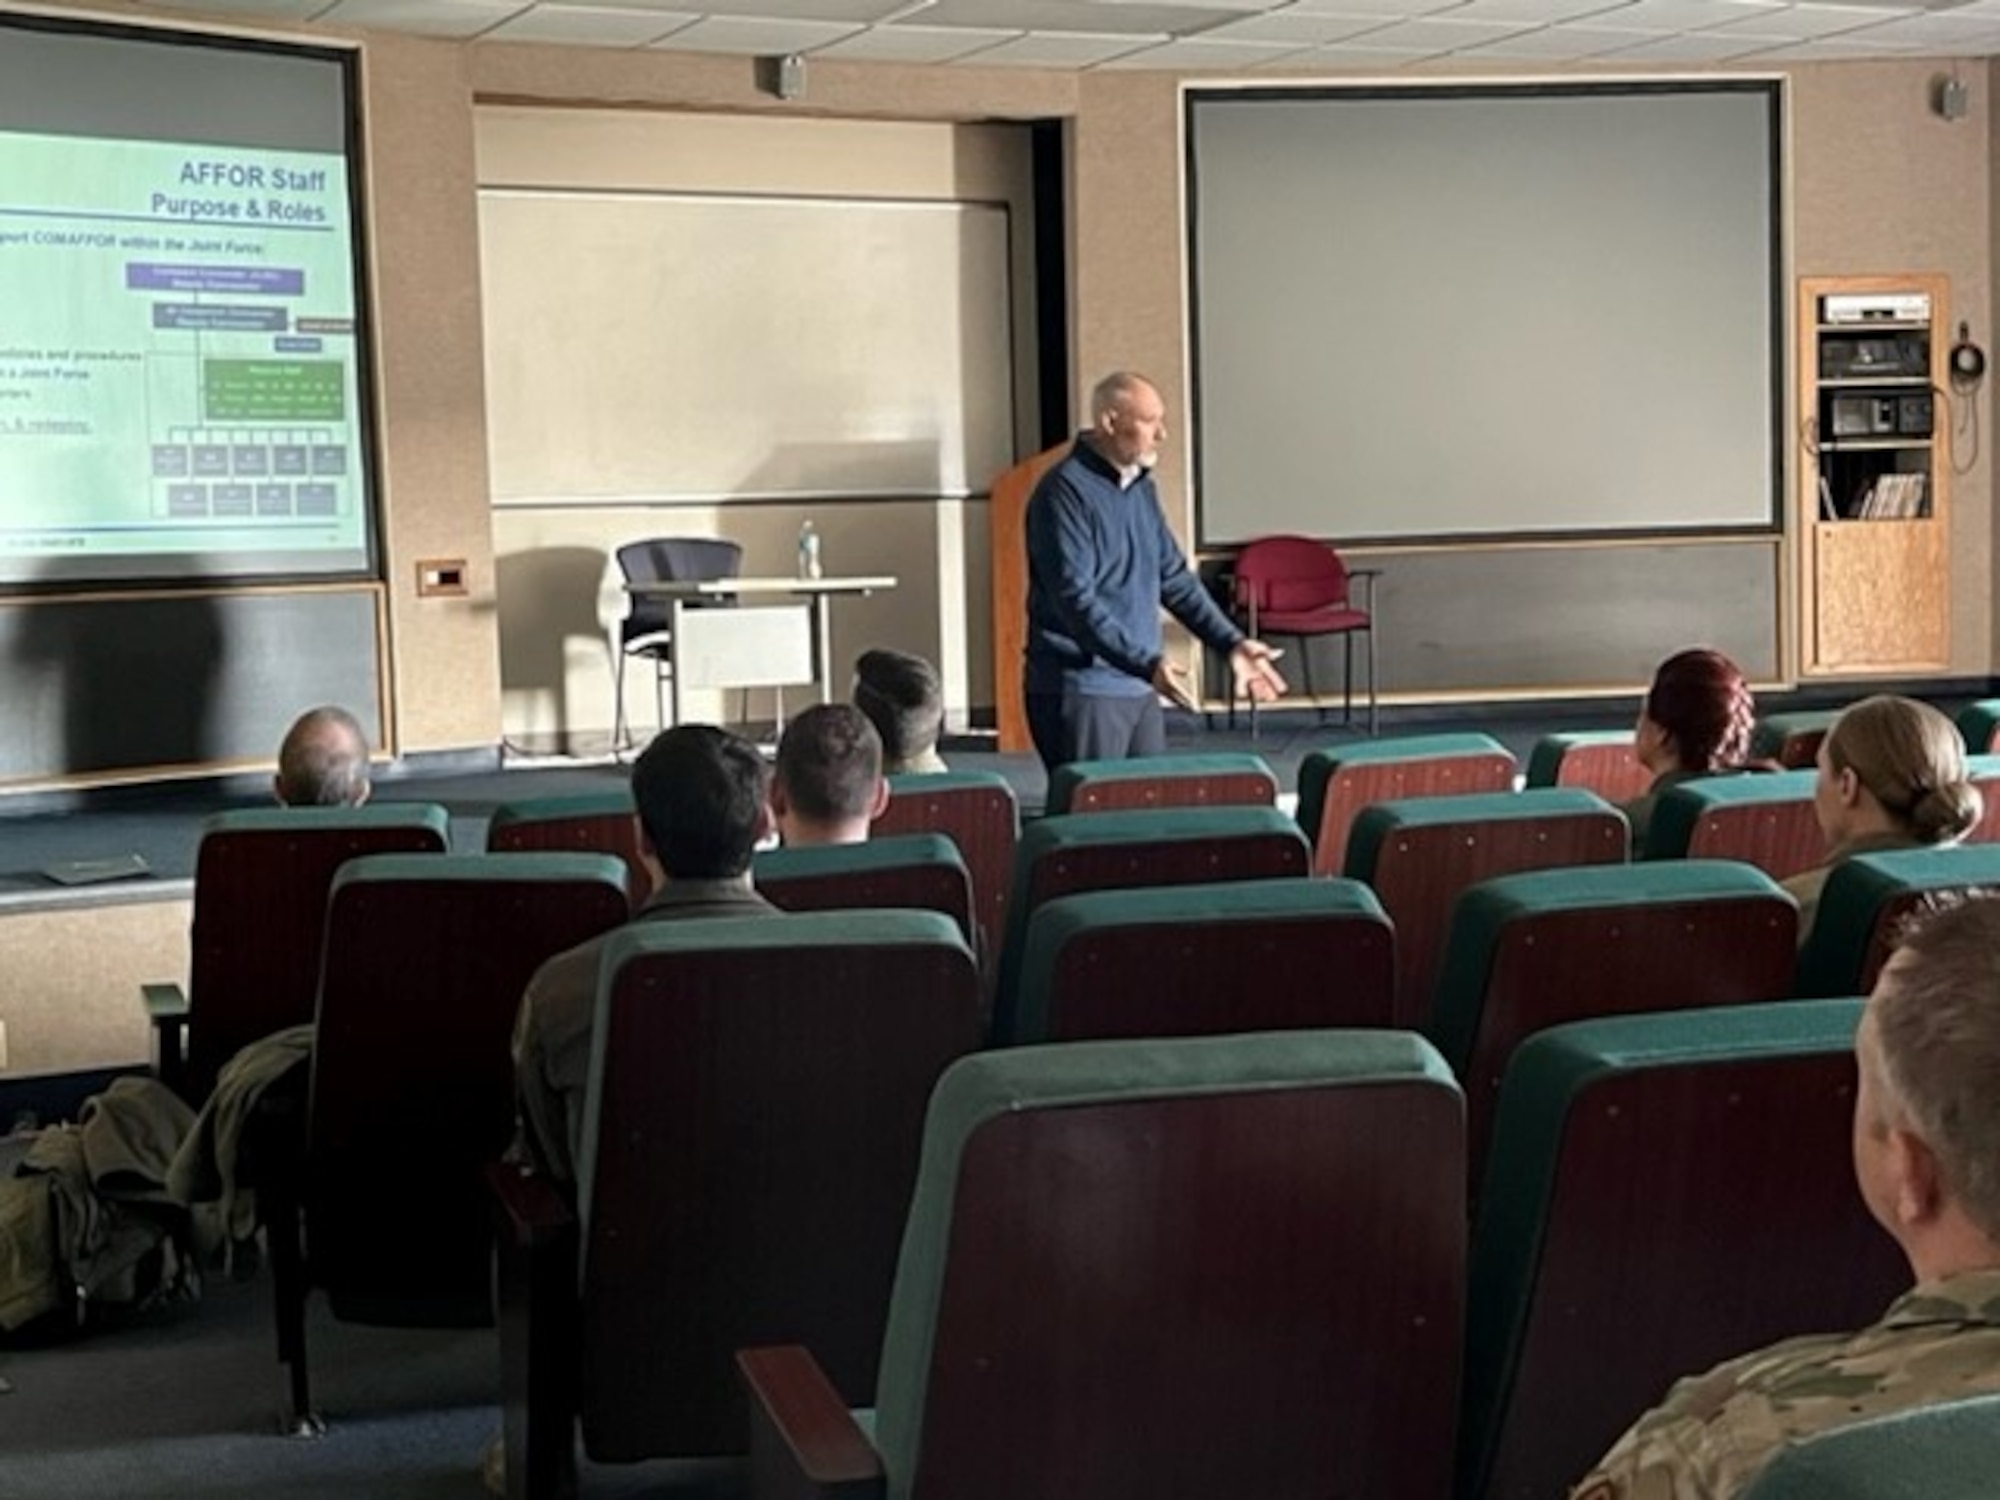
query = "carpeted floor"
x=187 y=1403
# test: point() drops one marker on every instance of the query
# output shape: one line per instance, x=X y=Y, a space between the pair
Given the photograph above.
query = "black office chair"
x=645 y=629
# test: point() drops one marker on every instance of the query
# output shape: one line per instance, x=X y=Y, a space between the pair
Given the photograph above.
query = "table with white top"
x=772 y=644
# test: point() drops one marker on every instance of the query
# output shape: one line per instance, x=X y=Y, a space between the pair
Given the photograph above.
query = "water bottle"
x=808 y=551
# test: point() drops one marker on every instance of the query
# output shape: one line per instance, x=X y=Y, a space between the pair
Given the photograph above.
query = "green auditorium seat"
x=1763 y=820
x=977 y=811
x=261 y=876
x=1984 y=772
x=754 y=1117
x=1792 y=739
x=1192 y=960
x=585 y=823
x=1597 y=760
x=1334 y=785
x=1866 y=899
x=1527 y=952
x=412 y=1089
x=1419 y=855
x=1065 y=856
x=1663 y=1192
x=1174 y=1269
x=1161 y=781
x=916 y=871
x=1948 y=1451
x=1979 y=725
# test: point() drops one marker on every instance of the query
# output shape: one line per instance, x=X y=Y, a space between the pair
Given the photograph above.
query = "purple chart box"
x=274 y=499
x=329 y=458
x=279 y=281
x=289 y=459
x=232 y=499
x=170 y=460
x=187 y=499
x=211 y=460
x=317 y=500
x=254 y=461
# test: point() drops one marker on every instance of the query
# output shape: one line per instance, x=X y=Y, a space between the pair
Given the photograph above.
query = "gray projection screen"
x=1476 y=312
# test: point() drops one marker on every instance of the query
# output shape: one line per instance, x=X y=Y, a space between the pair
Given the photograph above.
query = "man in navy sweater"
x=1101 y=565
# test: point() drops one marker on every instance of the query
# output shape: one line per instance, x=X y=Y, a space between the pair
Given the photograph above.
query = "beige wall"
x=553 y=562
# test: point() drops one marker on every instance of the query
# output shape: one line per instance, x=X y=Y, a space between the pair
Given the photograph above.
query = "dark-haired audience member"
x=1926 y=1146
x=700 y=795
x=827 y=786
x=323 y=761
x=904 y=700
x=1696 y=721
x=1892 y=775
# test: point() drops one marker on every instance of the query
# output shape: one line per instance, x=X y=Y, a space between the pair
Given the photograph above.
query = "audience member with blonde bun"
x=1892 y=775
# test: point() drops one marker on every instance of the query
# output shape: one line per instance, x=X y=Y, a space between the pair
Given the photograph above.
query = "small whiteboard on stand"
x=765 y=646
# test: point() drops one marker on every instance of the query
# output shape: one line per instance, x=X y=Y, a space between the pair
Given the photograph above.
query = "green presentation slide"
x=179 y=366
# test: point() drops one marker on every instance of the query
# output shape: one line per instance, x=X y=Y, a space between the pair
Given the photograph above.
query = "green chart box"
x=273 y=390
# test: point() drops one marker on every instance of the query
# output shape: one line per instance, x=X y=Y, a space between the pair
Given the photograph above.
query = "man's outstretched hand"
x=1256 y=675
x=1170 y=681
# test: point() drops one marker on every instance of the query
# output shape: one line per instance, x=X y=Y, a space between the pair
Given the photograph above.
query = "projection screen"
x=184 y=386
x=1486 y=311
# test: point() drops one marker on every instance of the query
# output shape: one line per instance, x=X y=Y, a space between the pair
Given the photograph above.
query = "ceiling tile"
x=755 y=38
x=1399 y=10
x=1798 y=22
x=1298 y=30
x=453 y=18
x=1949 y=30
x=1065 y=49
x=1680 y=15
x=1200 y=53
x=1693 y=48
x=1434 y=35
x=914 y=44
x=289 y=10
x=1823 y=49
x=1560 y=43
x=857 y=12
x=1530 y=12
x=588 y=26
x=1348 y=57
x=1140 y=17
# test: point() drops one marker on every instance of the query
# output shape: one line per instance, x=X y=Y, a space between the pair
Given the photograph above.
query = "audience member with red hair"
x=1695 y=721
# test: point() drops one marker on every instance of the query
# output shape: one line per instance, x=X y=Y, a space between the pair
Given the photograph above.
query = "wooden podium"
x=1007 y=514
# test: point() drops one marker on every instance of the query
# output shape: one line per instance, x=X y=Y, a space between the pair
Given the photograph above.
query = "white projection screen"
x=1478 y=312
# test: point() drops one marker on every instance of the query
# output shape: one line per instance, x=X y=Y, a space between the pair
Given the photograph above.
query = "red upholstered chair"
x=586 y=823
x=1293 y=585
x=1181 y=1269
x=260 y=882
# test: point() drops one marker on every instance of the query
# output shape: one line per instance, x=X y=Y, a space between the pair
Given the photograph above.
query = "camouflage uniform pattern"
x=1715 y=1432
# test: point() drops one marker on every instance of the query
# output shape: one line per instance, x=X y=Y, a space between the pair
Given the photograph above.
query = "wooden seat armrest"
x=533 y=1211
x=804 y=1443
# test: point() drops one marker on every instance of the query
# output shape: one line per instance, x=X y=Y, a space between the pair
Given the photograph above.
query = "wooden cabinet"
x=1874 y=465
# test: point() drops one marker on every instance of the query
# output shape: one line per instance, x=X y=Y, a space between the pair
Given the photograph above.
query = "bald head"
x=324 y=760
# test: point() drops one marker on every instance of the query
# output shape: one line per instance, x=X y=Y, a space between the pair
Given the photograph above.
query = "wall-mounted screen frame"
x=1437 y=313
x=186 y=362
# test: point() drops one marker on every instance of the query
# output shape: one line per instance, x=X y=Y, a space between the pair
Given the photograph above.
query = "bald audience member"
x=904 y=700
x=1927 y=1161
x=323 y=761
x=827 y=786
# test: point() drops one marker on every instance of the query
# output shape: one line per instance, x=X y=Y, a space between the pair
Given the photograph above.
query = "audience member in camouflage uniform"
x=1927 y=1159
